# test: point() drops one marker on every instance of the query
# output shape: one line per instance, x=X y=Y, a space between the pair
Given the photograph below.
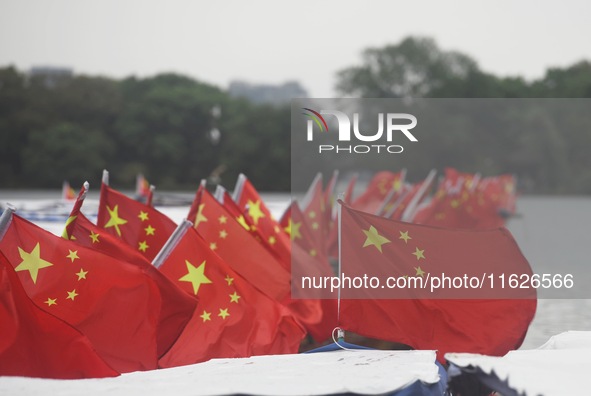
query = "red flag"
x=230 y=240
x=177 y=307
x=112 y=303
x=34 y=343
x=491 y=320
x=377 y=190
x=233 y=318
x=262 y=222
x=140 y=226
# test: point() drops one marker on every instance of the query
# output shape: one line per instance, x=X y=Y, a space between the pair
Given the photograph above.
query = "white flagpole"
x=174 y=239
x=6 y=219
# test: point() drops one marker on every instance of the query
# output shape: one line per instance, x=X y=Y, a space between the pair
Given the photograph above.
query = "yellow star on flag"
x=200 y=217
x=374 y=238
x=404 y=236
x=419 y=253
x=149 y=230
x=143 y=246
x=32 y=262
x=419 y=271
x=195 y=275
x=205 y=316
x=51 y=301
x=115 y=220
x=82 y=274
x=223 y=234
x=242 y=221
x=94 y=237
x=73 y=255
x=272 y=240
x=313 y=253
x=229 y=280
x=223 y=313
x=222 y=219
x=143 y=216
x=213 y=246
x=234 y=297
x=293 y=230
x=68 y=222
x=72 y=295
x=254 y=211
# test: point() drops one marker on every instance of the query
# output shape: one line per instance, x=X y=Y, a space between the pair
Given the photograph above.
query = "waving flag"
x=177 y=307
x=454 y=318
x=34 y=343
x=115 y=304
x=233 y=319
x=140 y=226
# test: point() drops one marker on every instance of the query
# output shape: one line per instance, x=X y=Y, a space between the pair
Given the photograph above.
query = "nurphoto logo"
x=392 y=122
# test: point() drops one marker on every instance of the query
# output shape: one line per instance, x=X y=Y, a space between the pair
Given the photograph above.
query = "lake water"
x=554 y=234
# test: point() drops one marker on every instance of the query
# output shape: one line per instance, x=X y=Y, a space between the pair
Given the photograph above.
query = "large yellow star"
x=254 y=211
x=200 y=217
x=242 y=221
x=374 y=238
x=115 y=220
x=293 y=230
x=32 y=262
x=68 y=222
x=195 y=275
x=419 y=253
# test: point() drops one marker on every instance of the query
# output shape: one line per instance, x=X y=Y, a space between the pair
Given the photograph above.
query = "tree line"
x=166 y=126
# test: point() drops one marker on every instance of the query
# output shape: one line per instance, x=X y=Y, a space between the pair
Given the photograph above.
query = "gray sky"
x=271 y=41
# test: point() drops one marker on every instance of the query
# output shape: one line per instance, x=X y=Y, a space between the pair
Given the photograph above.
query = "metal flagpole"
x=174 y=239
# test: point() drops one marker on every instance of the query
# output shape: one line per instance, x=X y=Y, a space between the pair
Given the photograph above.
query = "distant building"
x=51 y=76
x=267 y=93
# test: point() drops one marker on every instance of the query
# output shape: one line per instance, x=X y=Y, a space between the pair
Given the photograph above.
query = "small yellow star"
x=205 y=316
x=94 y=237
x=73 y=255
x=143 y=216
x=72 y=295
x=293 y=230
x=272 y=240
x=222 y=219
x=149 y=230
x=82 y=274
x=229 y=280
x=315 y=225
x=223 y=313
x=420 y=254
x=404 y=236
x=143 y=246
x=213 y=246
x=51 y=301
x=312 y=214
x=234 y=297
x=455 y=203
x=223 y=234
x=313 y=253
x=419 y=271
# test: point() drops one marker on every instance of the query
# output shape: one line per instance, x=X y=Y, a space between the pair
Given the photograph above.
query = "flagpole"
x=150 y=196
x=6 y=218
x=410 y=211
x=105 y=178
x=339 y=214
x=174 y=239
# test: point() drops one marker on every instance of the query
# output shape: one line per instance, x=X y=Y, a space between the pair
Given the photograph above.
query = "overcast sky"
x=271 y=41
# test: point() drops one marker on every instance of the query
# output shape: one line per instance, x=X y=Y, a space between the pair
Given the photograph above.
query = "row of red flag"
x=137 y=292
